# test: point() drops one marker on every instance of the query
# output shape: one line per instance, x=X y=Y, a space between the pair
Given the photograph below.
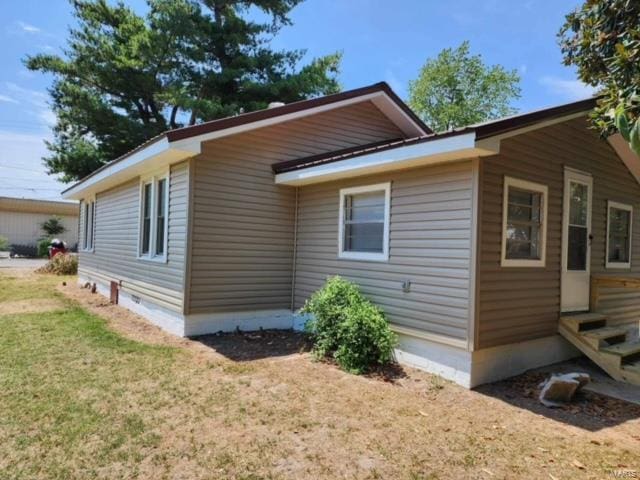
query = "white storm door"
x=576 y=241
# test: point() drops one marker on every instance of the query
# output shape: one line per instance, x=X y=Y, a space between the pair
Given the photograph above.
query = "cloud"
x=47 y=48
x=27 y=28
x=36 y=99
x=568 y=89
x=22 y=173
x=7 y=99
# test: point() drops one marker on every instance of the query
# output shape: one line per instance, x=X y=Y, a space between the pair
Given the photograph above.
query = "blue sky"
x=380 y=40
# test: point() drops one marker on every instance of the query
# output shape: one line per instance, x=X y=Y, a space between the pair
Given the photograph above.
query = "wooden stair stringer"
x=609 y=363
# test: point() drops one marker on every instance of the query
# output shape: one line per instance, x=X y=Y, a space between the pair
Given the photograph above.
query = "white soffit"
x=628 y=157
x=448 y=149
x=155 y=156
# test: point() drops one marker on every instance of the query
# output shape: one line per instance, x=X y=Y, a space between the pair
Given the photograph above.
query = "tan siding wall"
x=430 y=235
x=116 y=242
x=242 y=239
x=518 y=304
x=24 y=228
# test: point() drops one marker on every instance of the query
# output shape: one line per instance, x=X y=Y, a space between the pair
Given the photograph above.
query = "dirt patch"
x=123 y=321
x=35 y=305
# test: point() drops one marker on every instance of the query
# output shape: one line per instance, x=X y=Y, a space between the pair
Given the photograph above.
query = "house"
x=473 y=241
x=21 y=221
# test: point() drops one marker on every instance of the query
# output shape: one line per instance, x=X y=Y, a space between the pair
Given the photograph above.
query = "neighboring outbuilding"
x=21 y=221
x=474 y=241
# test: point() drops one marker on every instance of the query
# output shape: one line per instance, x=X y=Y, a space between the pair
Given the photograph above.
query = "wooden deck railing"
x=602 y=281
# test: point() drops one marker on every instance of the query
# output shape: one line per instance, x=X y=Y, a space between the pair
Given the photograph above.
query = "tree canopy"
x=457 y=88
x=124 y=78
x=602 y=39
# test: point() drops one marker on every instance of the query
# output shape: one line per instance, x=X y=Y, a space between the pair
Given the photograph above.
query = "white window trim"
x=628 y=208
x=92 y=230
x=153 y=180
x=369 y=256
x=534 y=187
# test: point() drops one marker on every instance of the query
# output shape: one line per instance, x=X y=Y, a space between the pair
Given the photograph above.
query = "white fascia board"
x=452 y=148
x=380 y=99
x=157 y=155
x=628 y=157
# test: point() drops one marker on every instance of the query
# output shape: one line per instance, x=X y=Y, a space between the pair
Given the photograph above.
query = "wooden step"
x=605 y=336
x=633 y=367
x=580 y=322
x=625 y=349
x=631 y=372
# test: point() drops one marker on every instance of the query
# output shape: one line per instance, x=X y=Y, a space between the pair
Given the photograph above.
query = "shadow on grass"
x=588 y=411
x=247 y=346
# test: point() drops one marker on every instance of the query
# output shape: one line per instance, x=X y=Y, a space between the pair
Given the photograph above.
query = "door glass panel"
x=577 y=252
x=578 y=235
x=579 y=204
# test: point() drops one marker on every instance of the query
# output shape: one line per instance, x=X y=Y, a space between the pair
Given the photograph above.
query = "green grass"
x=80 y=401
x=66 y=391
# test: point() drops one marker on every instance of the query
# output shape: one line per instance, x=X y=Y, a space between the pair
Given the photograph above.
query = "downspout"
x=295 y=253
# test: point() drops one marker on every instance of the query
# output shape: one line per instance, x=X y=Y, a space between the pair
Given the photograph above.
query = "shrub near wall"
x=348 y=327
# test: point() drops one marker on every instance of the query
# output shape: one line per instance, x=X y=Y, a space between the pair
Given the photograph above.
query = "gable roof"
x=182 y=143
x=484 y=130
x=294 y=107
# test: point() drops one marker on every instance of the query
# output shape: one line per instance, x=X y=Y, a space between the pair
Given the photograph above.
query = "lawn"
x=89 y=390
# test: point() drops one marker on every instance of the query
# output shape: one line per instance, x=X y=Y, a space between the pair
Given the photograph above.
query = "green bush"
x=43 y=246
x=4 y=244
x=348 y=327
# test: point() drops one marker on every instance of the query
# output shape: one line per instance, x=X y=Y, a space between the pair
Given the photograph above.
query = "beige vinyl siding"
x=25 y=228
x=115 y=255
x=242 y=237
x=517 y=304
x=430 y=240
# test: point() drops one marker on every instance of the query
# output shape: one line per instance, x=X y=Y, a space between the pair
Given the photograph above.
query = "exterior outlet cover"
x=406 y=286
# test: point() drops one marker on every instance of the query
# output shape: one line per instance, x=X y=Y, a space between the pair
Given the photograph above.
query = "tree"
x=602 y=39
x=457 y=89
x=125 y=78
x=53 y=226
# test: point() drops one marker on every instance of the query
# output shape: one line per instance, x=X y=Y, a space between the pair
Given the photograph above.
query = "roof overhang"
x=29 y=205
x=628 y=156
x=155 y=156
x=430 y=151
x=177 y=145
x=478 y=140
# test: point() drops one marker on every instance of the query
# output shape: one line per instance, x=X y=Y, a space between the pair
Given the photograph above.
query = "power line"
x=32 y=189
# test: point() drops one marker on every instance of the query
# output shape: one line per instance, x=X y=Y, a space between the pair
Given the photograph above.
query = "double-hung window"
x=524 y=223
x=88 y=223
x=154 y=205
x=364 y=222
x=619 y=222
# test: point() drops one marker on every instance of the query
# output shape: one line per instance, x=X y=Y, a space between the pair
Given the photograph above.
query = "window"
x=160 y=216
x=88 y=225
x=364 y=222
x=524 y=224
x=146 y=218
x=154 y=199
x=619 y=221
